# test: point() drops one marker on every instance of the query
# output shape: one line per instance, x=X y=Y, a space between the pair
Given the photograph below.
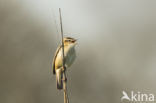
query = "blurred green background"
x=116 y=49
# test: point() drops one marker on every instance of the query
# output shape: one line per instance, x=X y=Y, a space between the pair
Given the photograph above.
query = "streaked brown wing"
x=53 y=63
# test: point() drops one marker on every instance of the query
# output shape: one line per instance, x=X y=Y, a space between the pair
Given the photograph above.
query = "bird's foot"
x=63 y=69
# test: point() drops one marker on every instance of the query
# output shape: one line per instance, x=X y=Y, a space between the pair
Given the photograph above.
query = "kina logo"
x=137 y=97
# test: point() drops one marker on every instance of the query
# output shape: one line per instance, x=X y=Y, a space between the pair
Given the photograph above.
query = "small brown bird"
x=69 y=54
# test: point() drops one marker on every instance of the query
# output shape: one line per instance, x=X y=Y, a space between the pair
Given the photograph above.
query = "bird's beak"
x=75 y=41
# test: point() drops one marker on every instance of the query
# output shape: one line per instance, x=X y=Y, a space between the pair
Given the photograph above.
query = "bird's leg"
x=63 y=71
x=65 y=77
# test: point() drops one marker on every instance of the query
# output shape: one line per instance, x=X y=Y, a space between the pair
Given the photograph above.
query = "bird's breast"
x=70 y=57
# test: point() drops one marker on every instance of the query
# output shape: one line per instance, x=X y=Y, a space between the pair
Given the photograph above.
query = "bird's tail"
x=59 y=81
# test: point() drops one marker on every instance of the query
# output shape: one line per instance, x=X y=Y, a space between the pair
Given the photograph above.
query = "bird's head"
x=69 y=41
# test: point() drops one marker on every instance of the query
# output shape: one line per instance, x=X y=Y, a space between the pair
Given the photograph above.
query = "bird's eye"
x=68 y=40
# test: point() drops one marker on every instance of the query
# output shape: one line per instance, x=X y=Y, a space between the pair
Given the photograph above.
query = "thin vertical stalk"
x=66 y=100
